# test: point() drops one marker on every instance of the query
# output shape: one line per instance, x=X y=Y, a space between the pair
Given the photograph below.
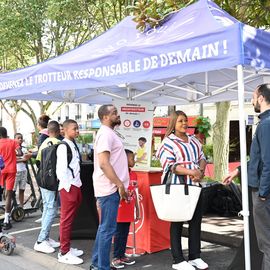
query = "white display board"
x=136 y=129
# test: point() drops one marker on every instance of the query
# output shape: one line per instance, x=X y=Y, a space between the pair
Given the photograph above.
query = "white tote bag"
x=175 y=202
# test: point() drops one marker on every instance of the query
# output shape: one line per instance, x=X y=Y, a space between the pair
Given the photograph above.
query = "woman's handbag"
x=175 y=202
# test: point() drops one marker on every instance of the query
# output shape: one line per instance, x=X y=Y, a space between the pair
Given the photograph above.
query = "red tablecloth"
x=152 y=234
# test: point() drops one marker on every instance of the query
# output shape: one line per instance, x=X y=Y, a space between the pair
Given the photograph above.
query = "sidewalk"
x=226 y=231
x=220 y=234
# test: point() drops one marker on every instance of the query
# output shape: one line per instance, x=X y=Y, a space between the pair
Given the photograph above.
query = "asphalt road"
x=24 y=257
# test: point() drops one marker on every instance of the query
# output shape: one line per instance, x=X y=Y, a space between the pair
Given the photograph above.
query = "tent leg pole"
x=243 y=155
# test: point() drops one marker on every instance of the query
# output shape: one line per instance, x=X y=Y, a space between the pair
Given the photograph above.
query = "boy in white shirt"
x=70 y=192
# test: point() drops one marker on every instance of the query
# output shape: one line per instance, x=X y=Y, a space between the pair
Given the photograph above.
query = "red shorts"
x=7 y=180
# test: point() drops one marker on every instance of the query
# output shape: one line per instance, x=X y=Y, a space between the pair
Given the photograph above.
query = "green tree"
x=35 y=30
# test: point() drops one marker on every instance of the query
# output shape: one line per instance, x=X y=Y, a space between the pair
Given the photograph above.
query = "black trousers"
x=120 y=239
x=194 y=236
x=238 y=262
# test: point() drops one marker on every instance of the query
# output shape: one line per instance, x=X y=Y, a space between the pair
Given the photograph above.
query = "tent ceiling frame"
x=219 y=90
x=184 y=89
x=110 y=94
x=232 y=84
x=169 y=83
x=227 y=75
x=190 y=84
x=251 y=75
x=86 y=96
x=52 y=94
x=193 y=90
x=148 y=91
x=229 y=87
x=176 y=98
x=265 y=71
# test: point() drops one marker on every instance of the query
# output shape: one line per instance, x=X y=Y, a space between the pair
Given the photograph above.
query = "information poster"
x=136 y=129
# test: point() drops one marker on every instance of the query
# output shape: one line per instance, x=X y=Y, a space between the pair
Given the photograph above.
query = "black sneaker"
x=127 y=261
x=6 y=226
x=117 y=263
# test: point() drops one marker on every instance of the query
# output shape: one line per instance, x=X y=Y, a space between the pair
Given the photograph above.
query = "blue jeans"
x=106 y=230
x=120 y=239
x=48 y=214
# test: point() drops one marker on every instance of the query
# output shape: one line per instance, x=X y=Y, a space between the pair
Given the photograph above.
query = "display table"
x=86 y=222
x=151 y=233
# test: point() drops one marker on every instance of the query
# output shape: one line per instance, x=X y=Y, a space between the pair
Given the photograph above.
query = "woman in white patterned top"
x=183 y=154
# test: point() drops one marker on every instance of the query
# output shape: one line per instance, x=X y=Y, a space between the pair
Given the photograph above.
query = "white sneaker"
x=44 y=247
x=76 y=252
x=54 y=243
x=69 y=258
x=199 y=264
x=183 y=266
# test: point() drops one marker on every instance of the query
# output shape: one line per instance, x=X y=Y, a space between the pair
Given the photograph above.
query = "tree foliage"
x=33 y=31
x=150 y=13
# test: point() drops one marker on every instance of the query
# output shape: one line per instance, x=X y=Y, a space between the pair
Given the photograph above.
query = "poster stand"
x=133 y=251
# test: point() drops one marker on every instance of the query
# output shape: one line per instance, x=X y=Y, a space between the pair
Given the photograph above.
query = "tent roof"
x=191 y=57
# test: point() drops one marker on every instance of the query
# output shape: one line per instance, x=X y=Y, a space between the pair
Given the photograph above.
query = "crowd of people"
x=115 y=183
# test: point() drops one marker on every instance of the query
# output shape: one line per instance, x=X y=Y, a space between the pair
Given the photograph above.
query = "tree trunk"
x=29 y=111
x=221 y=140
x=14 y=125
x=11 y=112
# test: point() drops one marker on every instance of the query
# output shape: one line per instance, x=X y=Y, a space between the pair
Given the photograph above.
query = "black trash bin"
x=209 y=192
x=86 y=222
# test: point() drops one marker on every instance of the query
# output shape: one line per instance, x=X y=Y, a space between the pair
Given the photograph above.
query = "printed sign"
x=136 y=129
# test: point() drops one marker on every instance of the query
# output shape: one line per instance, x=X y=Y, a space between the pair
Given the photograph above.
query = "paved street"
x=224 y=231
x=24 y=257
x=17 y=262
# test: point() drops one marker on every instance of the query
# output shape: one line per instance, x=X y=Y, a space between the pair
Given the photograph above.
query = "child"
x=21 y=175
x=45 y=244
x=125 y=216
x=70 y=192
x=62 y=133
x=8 y=149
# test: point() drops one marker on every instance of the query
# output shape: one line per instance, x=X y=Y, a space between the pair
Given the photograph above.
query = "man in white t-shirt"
x=110 y=179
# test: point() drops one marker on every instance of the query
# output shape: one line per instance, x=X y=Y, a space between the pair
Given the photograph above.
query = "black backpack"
x=225 y=203
x=46 y=177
